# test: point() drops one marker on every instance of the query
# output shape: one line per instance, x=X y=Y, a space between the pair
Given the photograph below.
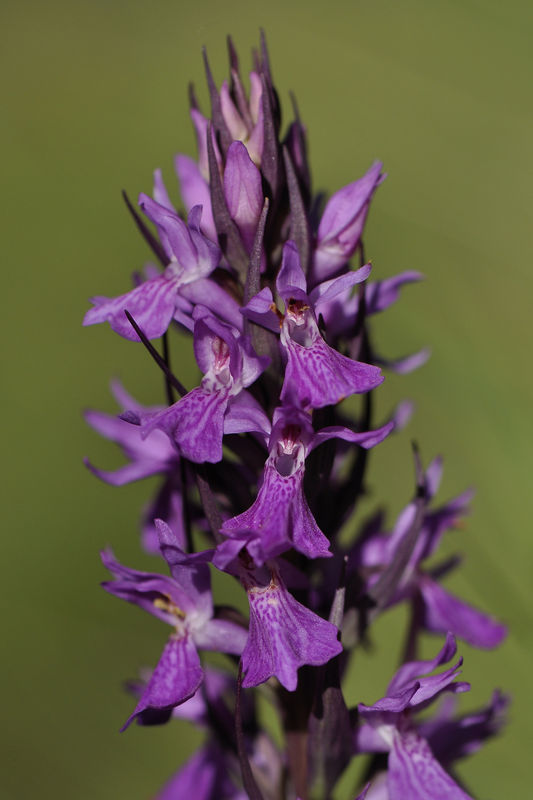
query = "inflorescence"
x=261 y=466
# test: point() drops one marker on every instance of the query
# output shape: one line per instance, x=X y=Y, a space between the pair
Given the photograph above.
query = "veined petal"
x=145 y=589
x=279 y=518
x=402 y=366
x=128 y=436
x=195 y=255
x=189 y=570
x=342 y=224
x=345 y=205
x=445 y=612
x=205 y=776
x=195 y=423
x=415 y=773
x=232 y=118
x=176 y=677
x=318 y=375
x=151 y=305
x=284 y=635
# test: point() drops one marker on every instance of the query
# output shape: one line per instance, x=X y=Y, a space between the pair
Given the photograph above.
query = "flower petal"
x=176 y=678
x=283 y=636
x=319 y=376
x=279 y=518
x=195 y=192
x=195 y=423
x=243 y=191
x=151 y=305
x=445 y=612
x=415 y=773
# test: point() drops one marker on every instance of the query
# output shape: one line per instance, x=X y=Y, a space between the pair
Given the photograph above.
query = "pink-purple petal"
x=261 y=309
x=412 y=669
x=284 y=635
x=291 y=281
x=151 y=305
x=243 y=191
x=319 y=376
x=382 y=294
x=366 y=439
x=415 y=773
x=443 y=611
x=195 y=192
x=195 y=423
x=176 y=677
x=328 y=290
x=279 y=518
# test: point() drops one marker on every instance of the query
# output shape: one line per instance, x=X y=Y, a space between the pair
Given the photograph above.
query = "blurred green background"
x=95 y=98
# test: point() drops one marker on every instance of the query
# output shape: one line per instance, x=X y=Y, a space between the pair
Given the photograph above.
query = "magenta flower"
x=342 y=223
x=197 y=422
x=184 y=602
x=316 y=375
x=413 y=771
x=437 y=610
x=256 y=465
x=280 y=517
x=284 y=635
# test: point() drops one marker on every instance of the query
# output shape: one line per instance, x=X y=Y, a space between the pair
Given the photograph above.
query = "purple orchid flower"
x=438 y=610
x=280 y=517
x=316 y=375
x=283 y=635
x=413 y=771
x=192 y=258
x=183 y=601
x=342 y=223
x=197 y=422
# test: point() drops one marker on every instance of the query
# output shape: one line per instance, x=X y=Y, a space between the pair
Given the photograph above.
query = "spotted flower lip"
x=283 y=635
x=183 y=601
x=316 y=375
x=280 y=517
